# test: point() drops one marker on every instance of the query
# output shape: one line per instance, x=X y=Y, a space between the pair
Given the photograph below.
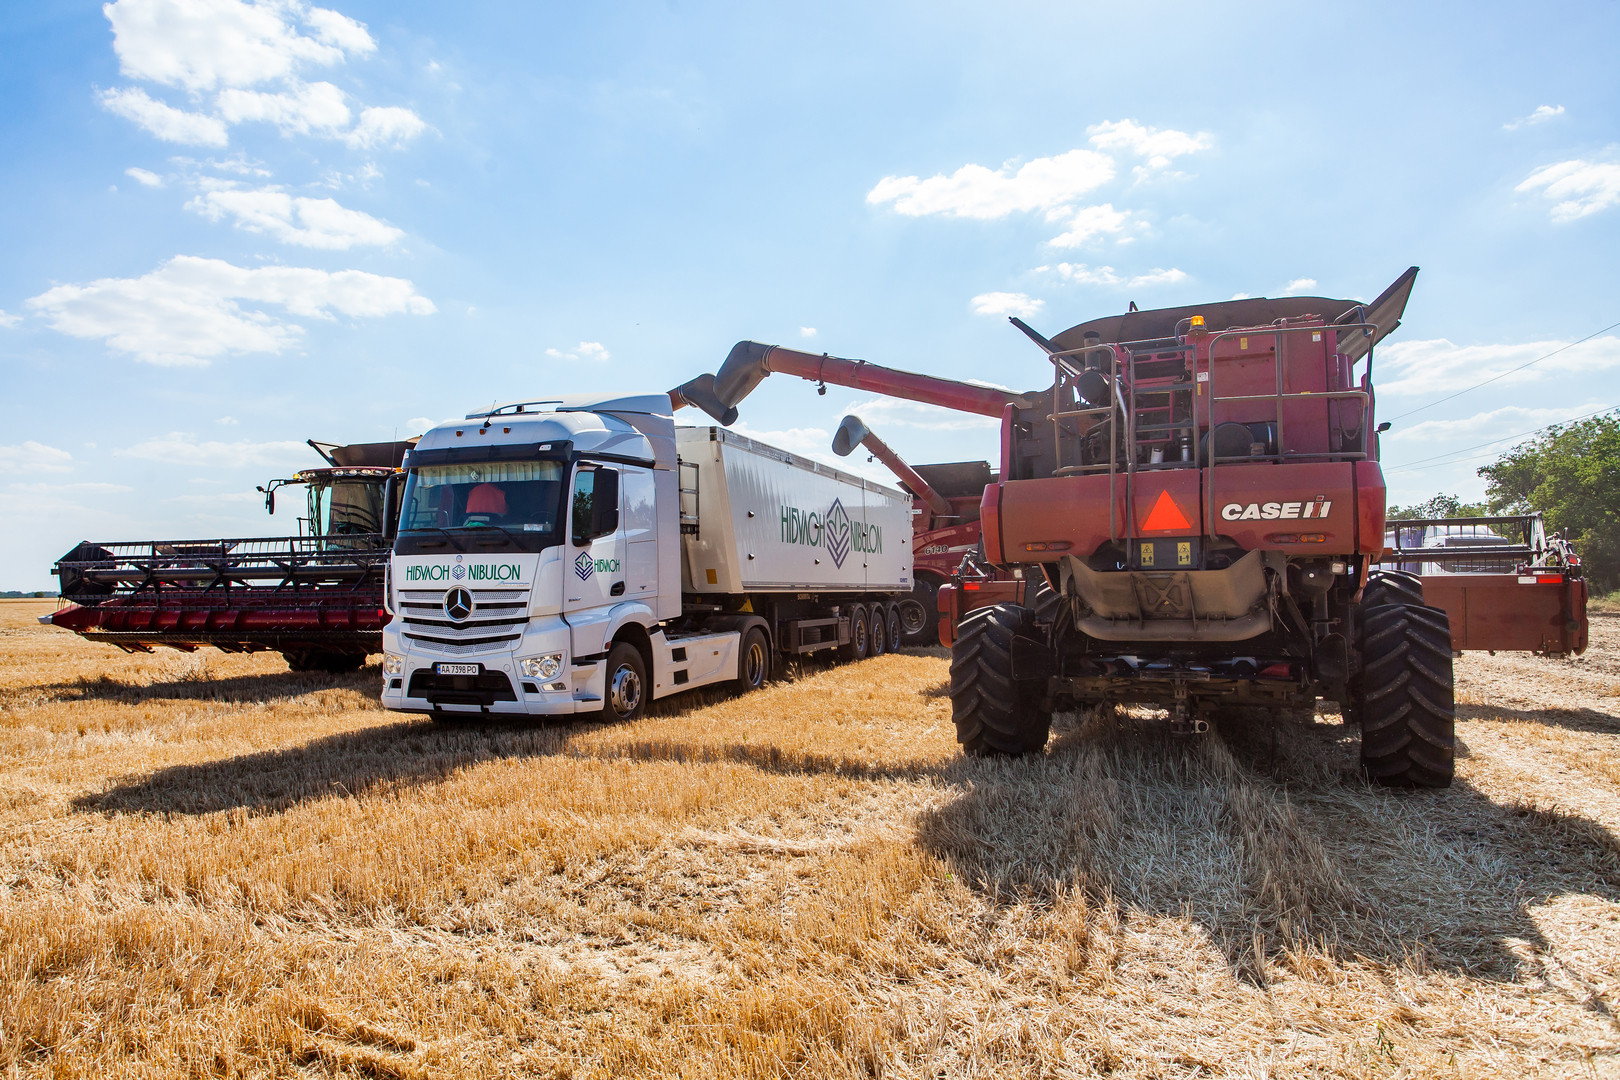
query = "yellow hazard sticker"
x=1184 y=553
x=1147 y=554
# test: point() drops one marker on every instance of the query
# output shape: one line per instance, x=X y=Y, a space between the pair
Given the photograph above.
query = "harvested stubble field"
x=212 y=866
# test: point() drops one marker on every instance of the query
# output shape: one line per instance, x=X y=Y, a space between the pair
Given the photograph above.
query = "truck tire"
x=859 y=638
x=993 y=712
x=624 y=688
x=1391 y=587
x=926 y=592
x=878 y=629
x=1403 y=698
x=753 y=661
x=893 y=625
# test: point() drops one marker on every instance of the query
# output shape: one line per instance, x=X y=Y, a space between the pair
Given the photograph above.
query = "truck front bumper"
x=498 y=686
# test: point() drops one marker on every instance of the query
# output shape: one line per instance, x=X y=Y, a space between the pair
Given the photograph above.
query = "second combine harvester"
x=1200 y=486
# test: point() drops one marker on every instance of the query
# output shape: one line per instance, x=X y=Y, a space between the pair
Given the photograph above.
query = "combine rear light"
x=1537 y=579
x=1297 y=538
x=1277 y=671
x=1047 y=545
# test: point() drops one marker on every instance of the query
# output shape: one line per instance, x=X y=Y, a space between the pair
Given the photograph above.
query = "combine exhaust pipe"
x=751 y=361
x=853 y=432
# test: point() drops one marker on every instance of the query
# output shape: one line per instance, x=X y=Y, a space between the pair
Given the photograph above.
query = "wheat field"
x=212 y=866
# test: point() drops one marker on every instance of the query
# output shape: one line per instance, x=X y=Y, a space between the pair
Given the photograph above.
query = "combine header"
x=315 y=598
x=1199 y=488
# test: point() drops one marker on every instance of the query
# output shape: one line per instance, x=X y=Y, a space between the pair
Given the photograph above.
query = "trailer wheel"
x=926 y=592
x=754 y=662
x=624 y=690
x=893 y=625
x=1391 y=587
x=859 y=640
x=993 y=712
x=878 y=630
x=1403 y=698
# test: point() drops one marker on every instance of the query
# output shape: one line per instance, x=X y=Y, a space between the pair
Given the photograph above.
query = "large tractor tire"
x=1391 y=587
x=994 y=713
x=1403 y=698
x=1044 y=601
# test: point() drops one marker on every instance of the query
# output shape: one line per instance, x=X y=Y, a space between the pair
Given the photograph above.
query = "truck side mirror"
x=605 y=506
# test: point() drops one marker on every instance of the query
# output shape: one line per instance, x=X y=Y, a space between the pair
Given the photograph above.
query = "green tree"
x=1438 y=506
x=1570 y=473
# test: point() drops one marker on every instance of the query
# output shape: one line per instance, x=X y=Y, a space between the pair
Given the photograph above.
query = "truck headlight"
x=542 y=667
x=393 y=665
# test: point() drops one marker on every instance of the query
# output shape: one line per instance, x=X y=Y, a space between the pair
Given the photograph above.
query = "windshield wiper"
x=447 y=534
x=510 y=535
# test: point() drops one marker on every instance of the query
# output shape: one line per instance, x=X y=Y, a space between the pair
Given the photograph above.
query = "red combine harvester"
x=1199 y=488
x=946 y=549
x=315 y=598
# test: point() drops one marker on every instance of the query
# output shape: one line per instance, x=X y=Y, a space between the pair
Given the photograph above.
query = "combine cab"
x=1198 y=490
x=315 y=598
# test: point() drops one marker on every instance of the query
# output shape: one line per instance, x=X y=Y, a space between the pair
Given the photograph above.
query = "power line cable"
x=1506 y=438
x=1503 y=375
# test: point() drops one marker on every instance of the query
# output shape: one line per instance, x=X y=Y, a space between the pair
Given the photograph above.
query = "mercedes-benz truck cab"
x=538 y=566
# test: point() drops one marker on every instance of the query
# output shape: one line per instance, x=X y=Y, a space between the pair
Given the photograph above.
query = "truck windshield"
x=509 y=503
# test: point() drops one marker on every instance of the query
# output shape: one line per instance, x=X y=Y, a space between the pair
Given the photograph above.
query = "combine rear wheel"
x=993 y=712
x=1391 y=587
x=1403 y=698
x=926 y=592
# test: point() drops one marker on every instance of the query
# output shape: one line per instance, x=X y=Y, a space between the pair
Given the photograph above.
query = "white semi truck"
x=585 y=555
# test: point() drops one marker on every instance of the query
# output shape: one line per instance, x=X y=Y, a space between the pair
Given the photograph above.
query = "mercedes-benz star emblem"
x=458 y=604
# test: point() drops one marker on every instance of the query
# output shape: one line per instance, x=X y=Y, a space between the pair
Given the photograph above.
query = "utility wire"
x=1505 y=374
x=1506 y=438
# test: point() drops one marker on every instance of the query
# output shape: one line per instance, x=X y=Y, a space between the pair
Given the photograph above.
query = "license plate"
x=456 y=669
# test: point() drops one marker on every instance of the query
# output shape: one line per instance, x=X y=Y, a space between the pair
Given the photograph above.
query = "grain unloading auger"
x=1201 y=488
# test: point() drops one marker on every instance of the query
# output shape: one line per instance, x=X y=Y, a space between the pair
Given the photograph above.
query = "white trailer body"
x=770 y=521
x=583 y=554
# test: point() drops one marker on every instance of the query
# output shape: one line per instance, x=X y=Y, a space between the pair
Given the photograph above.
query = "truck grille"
x=497 y=618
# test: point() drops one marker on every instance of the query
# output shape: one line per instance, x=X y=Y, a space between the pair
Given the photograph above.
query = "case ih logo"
x=584 y=566
x=834 y=530
x=1276 y=511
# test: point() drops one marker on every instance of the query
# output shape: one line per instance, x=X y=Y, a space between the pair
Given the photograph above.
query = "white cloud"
x=1089 y=222
x=585 y=350
x=1437 y=365
x=190 y=309
x=1005 y=303
x=1577 y=187
x=181 y=448
x=1240 y=296
x=1299 y=285
x=87 y=487
x=1158 y=146
x=315 y=223
x=165 y=121
x=974 y=191
x=1082 y=274
x=308 y=107
x=1542 y=114
x=31 y=456
x=226 y=421
x=204 y=44
x=807 y=331
x=8 y=321
x=1433 y=435
x=386 y=125
x=215 y=498
x=883 y=413
x=144 y=176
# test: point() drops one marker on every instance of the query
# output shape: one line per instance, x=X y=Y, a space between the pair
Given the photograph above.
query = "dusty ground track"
x=212 y=866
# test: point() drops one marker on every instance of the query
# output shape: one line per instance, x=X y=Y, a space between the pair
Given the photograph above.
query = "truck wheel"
x=878 y=630
x=995 y=714
x=893 y=625
x=926 y=592
x=1391 y=587
x=754 y=662
x=624 y=691
x=859 y=641
x=1403 y=698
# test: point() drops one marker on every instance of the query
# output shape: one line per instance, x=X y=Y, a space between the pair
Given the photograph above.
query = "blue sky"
x=233 y=226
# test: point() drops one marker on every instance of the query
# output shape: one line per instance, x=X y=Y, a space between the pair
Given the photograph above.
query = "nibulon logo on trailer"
x=833 y=530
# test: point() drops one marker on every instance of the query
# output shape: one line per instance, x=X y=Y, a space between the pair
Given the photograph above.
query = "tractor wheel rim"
x=625 y=693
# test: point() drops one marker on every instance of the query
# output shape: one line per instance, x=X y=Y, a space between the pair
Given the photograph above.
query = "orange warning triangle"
x=1166 y=516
